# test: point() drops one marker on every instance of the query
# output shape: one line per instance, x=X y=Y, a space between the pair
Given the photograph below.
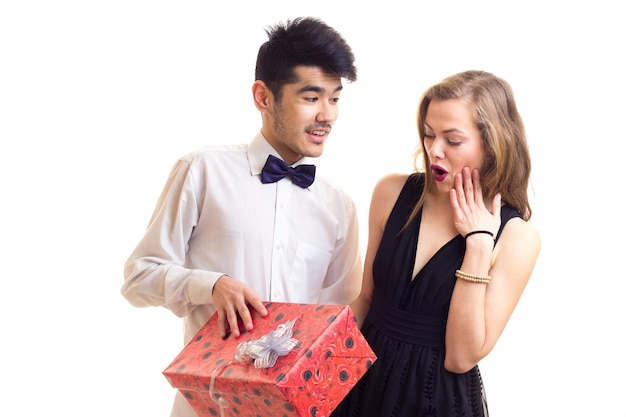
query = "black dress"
x=406 y=324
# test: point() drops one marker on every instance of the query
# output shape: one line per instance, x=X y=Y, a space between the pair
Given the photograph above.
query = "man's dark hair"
x=302 y=41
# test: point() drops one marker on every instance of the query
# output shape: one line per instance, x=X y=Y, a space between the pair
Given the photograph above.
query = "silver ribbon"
x=263 y=352
x=220 y=401
x=268 y=348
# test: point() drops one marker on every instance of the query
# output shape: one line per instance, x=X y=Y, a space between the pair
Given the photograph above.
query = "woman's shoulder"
x=388 y=190
x=522 y=232
x=399 y=180
x=390 y=185
x=512 y=218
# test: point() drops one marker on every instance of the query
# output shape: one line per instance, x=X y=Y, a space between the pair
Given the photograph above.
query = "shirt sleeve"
x=345 y=272
x=155 y=273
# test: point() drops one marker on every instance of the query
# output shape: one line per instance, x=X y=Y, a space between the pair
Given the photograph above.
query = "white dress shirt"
x=216 y=217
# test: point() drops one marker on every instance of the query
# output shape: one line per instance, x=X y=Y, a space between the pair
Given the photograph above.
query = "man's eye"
x=334 y=100
x=311 y=99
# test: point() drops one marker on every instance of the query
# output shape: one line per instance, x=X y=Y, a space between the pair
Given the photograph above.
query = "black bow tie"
x=276 y=169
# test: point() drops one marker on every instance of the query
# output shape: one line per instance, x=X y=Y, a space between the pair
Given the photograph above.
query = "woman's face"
x=451 y=141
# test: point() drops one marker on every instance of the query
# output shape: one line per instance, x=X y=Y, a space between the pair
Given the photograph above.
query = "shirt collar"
x=258 y=150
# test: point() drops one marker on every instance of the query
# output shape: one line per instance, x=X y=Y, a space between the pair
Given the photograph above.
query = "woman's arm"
x=479 y=311
x=384 y=197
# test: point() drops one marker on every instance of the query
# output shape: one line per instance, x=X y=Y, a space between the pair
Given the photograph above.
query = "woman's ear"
x=262 y=96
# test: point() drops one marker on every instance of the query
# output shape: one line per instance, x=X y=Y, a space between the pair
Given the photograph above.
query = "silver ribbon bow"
x=266 y=350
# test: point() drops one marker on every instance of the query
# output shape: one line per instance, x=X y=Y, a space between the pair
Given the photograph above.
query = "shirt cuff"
x=200 y=286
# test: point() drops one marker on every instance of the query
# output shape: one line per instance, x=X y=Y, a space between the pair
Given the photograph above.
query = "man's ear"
x=262 y=96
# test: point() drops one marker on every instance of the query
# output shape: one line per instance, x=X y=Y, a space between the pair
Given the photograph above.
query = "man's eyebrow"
x=317 y=89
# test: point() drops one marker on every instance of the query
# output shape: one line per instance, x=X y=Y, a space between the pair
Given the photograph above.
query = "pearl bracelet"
x=472 y=278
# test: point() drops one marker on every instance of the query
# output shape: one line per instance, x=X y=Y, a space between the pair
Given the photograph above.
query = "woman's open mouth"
x=439 y=174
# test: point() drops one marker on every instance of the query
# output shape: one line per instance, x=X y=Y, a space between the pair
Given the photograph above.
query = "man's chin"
x=314 y=151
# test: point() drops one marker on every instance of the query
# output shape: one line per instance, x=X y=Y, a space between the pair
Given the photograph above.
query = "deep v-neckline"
x=432 y=258
x=416 y=273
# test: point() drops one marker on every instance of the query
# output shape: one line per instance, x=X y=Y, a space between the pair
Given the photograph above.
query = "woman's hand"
x=468 y=206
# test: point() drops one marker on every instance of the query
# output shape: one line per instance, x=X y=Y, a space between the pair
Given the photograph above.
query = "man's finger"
x=246 y=318
x=259 y=307
x=232 y=322
x=221 y=325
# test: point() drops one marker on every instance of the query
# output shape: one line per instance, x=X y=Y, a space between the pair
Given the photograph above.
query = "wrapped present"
x=299 y=360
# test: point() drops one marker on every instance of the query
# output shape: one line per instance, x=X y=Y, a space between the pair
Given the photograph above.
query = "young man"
x=229 y=231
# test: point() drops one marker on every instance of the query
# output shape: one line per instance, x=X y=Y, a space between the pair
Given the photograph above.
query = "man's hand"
x=233 y=299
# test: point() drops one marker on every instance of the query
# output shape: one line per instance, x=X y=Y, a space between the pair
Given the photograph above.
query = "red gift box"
x=329 y=357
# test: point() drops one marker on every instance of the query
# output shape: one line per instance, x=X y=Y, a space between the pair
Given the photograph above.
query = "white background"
x=98 y=99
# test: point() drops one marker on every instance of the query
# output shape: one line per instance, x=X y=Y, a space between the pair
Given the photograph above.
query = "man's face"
x=299 y=124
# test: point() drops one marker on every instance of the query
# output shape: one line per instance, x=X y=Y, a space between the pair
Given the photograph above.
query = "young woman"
x=450 y=252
